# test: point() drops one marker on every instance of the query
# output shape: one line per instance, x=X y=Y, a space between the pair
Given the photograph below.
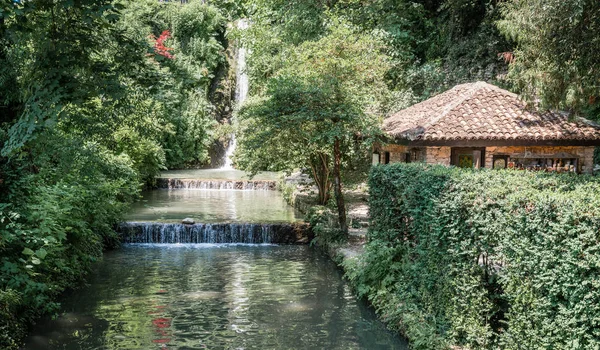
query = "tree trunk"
x=337 y=186
x=320 y=173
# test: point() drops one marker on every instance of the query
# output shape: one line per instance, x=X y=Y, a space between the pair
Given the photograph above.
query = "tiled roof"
x=480 y=111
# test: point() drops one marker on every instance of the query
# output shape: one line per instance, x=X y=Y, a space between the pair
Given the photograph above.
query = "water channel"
x=189 y=294
x=211 y=206
x=214 y=297
x=186 y=295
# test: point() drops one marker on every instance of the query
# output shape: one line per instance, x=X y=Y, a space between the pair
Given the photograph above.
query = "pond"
x=214 y=297
x=210 y=206
x=218 y=174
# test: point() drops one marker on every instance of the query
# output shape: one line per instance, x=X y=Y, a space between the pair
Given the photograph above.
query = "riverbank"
x=345 y=252
x=452 y=253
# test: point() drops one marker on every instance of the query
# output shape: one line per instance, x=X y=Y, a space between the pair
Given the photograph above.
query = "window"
x=548 y=163
x=386 y=159
x=376 y=159
x=464 y=157
x=414 y=155
x=499 y=162
x=465 y=161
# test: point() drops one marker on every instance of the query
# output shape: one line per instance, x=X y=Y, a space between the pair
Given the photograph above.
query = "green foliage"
x=330 y=89
x=434 y=45
x=323 y=224
x=483 y=259
x=11 y=327
x=180 y=94
x=277 y=25
x=557 y=54
x=55 y=221
x=89 y=110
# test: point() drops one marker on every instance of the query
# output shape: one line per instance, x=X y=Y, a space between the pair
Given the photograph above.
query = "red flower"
x=159 y=45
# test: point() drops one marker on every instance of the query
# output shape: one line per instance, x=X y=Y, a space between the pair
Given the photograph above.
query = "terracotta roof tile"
x=481 y=111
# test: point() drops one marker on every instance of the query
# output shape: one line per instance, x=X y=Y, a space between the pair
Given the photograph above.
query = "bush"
x=483 y=259
x=324 y=225
x=57 y=213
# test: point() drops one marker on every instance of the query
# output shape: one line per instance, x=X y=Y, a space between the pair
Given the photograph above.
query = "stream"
x=207 y=296
x=165 y=291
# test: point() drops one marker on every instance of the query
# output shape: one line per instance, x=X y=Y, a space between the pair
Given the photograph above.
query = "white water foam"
x=241 y=92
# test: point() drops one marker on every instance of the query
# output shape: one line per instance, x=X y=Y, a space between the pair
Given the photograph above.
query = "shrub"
x=483 y=259
x=56 y=215
x=324 y=225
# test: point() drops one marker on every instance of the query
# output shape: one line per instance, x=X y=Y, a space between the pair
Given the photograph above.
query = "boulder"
x=188 y=221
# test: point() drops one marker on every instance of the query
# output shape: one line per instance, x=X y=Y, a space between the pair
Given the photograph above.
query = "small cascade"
x=200 y=184
x=156 y=232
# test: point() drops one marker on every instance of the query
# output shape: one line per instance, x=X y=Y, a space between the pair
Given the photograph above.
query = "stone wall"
x=442 y=155
x=430 y=155
x=398 y=153
x=585 y=154
x=397 y=157
x=438 y=155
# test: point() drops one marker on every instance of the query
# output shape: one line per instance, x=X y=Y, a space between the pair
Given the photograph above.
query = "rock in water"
x=188 y=221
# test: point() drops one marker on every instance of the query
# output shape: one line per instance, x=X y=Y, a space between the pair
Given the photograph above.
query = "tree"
x=557 y=55
x=90 y=107
x=325 y=102
x=433 y=44
x=184 y=82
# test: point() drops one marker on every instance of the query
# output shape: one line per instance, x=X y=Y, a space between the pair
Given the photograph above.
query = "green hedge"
x=484 y=259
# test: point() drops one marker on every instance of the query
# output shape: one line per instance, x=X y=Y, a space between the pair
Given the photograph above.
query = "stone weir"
x=157 y=232
x=200 y=184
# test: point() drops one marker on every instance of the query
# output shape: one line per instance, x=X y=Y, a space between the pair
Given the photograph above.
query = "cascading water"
x=200 y=184
x=156 y=232
x=225 y=213
x=241 y=91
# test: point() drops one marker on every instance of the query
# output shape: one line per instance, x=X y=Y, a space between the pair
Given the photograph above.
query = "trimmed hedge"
x=483 y=259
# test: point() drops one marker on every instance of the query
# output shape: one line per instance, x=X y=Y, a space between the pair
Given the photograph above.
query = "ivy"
x=483 y=259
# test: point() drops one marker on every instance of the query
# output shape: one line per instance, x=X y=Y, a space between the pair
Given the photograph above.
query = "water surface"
x=218 y=174
x=210 y=206
x=214 y=297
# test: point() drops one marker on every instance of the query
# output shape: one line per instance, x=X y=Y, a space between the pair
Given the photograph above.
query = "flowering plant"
x=159 y=44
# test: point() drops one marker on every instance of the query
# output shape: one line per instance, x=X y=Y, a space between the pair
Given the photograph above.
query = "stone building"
x=482 y=126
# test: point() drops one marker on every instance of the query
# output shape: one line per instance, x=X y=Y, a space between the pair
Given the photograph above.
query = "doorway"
x=468 y=157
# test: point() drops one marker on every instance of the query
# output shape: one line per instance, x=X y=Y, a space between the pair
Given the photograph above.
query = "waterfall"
x=199 y=184
x=156 y=232
x=241 y=91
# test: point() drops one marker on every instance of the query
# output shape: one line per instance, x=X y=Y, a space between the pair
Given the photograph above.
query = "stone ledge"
x=252 y=233
x=255 y=185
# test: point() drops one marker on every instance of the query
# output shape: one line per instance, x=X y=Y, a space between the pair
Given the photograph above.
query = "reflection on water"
x=217 y=174
x=214 y=297
x=210 y=206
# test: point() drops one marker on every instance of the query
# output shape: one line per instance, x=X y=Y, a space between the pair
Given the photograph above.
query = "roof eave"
x=490 y=143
